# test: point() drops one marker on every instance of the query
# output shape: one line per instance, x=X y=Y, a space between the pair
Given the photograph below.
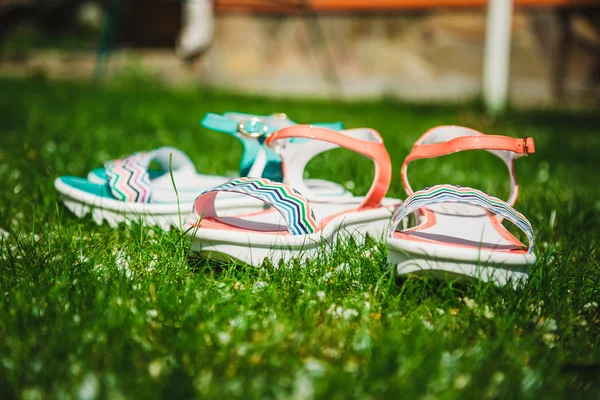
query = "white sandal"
x=459 y=231
x=127 y=189
x=298 y=224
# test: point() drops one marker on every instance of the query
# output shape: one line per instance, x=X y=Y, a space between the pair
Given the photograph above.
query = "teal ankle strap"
x=219 y=123
x=252 y=130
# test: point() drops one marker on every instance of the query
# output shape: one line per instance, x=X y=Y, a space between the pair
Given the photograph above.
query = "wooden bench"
x=497 y=54
x=379 y=5
x=495 y=87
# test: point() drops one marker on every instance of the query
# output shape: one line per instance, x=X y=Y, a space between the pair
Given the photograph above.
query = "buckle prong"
x=525 y=145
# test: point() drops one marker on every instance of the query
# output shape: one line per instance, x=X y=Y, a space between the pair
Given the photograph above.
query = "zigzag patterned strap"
x=458 y=194
x=128 y=178
x=289 y=202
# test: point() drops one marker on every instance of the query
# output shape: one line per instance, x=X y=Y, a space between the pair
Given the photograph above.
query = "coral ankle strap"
x=443 y=140
x=298 y=144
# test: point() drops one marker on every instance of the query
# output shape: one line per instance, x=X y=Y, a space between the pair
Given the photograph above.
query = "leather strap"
x=523 y=146
x=448 y=139
x=295 y=153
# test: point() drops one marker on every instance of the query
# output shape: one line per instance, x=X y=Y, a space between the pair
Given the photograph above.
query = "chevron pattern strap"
x=289 y=202
x=128 y=178
x=458 y=194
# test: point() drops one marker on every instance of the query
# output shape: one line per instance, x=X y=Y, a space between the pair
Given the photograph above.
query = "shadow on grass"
x=582 y=378
x=215 y=266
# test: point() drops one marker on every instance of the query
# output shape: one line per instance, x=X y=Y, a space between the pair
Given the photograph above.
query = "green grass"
x=93 y=312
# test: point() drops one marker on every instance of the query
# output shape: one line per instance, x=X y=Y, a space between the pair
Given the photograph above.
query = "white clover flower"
x=470 y=303
x=151 y=266
x=349 y=313
x=462 y=381
x=155 y=368
x=550 y=339
x=224 y=337
x=340 y=312
x=326 y=277
x=547 y=324
x=88 y=389
x=258 y=286
x=314 y=367
x=487 y=312
x=369 y=252
x=343 y=268
x=242 y=350
x=122 y=263
x=427 y=324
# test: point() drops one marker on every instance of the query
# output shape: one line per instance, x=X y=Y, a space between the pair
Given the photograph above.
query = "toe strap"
x=457 y=194
x=128 y=178
x=294 y=208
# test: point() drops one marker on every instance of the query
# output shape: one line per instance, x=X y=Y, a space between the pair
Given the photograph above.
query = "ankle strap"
x=295 y=151
x=280 y=120
x=251 y=131
x=519 y=147
x=443 y=140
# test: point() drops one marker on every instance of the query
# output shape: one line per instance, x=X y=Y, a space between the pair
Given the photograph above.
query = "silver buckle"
x=253 y=127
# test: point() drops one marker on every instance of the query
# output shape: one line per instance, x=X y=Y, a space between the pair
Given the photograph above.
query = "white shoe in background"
x=197 y=28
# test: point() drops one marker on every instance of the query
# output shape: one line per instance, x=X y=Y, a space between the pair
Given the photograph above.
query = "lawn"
x=87 y=311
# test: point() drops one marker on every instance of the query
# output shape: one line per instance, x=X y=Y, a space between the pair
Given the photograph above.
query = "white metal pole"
x=497 y=54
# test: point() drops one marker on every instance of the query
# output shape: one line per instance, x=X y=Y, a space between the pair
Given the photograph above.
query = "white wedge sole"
x=166 y=216
x=499 y=268
x=252 y=249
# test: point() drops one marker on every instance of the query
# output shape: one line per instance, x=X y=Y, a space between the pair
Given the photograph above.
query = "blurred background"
x=418 y=50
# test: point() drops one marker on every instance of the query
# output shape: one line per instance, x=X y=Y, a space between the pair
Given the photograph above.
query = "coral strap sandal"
x=458 y=231
x=299 y=220
x=128 y=189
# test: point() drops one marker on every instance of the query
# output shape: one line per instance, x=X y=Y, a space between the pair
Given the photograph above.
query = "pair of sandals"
x=458 y=231
x=142 y=185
